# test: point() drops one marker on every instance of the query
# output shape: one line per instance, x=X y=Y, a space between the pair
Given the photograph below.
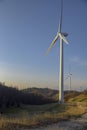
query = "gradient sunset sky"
x=27 y=28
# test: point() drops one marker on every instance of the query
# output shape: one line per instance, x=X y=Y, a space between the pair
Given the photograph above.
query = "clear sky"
x=27 y=28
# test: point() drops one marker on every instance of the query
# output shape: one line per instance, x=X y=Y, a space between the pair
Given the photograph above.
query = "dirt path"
x=79 y=124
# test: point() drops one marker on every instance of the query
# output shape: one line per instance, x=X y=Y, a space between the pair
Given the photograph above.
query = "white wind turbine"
x=69 y=76
x=62 y=37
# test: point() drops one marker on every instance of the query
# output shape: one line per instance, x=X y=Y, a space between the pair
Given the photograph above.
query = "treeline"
x=10 y=97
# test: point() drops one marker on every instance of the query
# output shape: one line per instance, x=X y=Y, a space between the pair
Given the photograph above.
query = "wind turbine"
x=62 y=36
x=70 y=77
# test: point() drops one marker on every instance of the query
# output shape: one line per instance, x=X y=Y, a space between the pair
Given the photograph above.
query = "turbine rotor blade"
x=60 y=21
x=63 y=38
x=53 y=43
x=59 y=27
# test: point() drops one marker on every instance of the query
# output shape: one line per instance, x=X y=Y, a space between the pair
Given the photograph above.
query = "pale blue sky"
x=27 y=28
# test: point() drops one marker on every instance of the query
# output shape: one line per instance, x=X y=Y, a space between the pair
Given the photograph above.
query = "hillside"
x=33 y=107
x=12 y=97
x=45 y=92
x=69 y=96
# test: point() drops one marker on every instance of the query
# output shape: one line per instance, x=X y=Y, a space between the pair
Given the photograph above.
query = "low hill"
x=69 y=96
x=10 y=97
x=45 y=92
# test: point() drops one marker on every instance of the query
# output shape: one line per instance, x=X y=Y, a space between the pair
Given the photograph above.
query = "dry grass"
x=34 y=116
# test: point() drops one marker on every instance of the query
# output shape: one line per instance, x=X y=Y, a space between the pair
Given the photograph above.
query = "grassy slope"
x=28 y=116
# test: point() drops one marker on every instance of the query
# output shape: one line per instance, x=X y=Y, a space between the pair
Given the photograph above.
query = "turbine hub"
x=65 y=34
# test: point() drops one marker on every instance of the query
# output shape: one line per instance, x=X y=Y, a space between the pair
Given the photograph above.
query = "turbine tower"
x=62 y=36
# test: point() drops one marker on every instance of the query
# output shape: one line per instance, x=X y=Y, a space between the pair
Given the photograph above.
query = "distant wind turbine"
x=62 y=36
x=69 y=76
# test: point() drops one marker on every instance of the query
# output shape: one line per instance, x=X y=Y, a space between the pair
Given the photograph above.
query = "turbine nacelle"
x=63 y=37
x=65 y=34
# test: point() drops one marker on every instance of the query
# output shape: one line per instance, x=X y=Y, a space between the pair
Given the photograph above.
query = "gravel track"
x=78 y=124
